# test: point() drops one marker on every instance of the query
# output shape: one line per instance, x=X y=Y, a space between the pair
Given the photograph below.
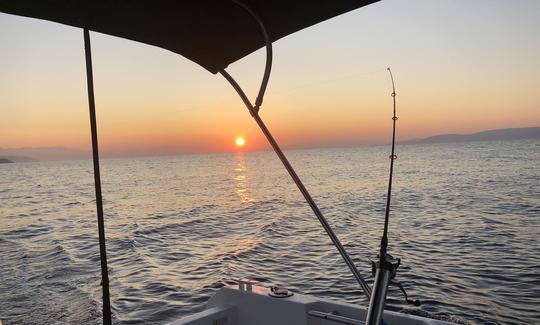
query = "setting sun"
x=240 y=141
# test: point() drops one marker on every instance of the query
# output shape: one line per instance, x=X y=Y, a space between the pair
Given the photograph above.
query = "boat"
x=246 y=304
x=214 y=34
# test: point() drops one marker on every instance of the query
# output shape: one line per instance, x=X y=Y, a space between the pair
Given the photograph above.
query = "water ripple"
x=464 y=221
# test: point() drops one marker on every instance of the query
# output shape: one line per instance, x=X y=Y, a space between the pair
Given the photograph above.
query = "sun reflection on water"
x=241 y=179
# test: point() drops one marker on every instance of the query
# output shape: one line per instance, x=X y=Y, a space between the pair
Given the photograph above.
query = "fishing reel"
x=392 y=264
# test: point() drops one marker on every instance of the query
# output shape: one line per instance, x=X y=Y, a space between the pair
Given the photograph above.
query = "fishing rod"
x=393 y=157
x=386 y=267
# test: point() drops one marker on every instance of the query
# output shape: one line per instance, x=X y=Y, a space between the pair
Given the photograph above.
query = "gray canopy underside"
x=211 y=33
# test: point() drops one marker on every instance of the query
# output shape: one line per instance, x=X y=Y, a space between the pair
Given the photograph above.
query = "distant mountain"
x=499 y=134
x=48 y=153
x=5 y=161
x=17 y=159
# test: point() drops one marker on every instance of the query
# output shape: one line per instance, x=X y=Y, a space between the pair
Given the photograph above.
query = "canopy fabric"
x=212 y=33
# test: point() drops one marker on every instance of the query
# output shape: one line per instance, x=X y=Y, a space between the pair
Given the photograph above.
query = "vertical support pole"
x=97 y=181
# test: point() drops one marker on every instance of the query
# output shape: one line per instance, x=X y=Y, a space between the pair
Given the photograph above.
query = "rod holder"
x=385 y=270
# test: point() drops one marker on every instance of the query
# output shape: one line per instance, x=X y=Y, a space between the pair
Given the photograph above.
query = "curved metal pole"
x=269 y=56
x=302 y=188
x=97 y=181
x=307 y=196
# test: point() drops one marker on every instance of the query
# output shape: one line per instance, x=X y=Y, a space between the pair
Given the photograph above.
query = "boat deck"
x=233 y=306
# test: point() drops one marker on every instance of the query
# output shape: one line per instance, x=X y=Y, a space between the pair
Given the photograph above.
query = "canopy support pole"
x=97 y=181
x=254 y=110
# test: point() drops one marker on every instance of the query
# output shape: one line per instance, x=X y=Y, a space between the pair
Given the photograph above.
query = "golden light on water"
x=241 y=178
x=240 y=141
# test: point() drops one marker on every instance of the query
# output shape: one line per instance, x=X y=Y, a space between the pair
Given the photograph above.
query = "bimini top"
x=212 y=33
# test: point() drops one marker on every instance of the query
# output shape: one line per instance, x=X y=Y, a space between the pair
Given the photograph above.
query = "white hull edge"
x=231 y=306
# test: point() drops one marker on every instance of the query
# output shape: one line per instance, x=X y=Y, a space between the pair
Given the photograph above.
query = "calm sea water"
x=465 y=222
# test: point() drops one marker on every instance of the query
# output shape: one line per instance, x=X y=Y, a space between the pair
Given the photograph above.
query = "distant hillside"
x=48 y=153
x=17 y=159
x=5 y=161
x=499 y=134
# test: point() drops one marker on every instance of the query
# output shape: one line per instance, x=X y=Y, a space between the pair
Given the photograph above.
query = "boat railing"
x=335 y=318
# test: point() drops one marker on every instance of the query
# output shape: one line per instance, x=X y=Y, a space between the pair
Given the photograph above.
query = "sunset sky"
x=460 y=66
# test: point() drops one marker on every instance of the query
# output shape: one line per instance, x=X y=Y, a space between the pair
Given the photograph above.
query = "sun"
x=240 y=141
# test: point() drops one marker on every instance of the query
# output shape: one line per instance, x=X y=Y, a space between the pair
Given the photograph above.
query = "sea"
x=464 y=220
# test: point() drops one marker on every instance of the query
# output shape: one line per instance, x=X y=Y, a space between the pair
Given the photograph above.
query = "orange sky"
x=460 y=66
